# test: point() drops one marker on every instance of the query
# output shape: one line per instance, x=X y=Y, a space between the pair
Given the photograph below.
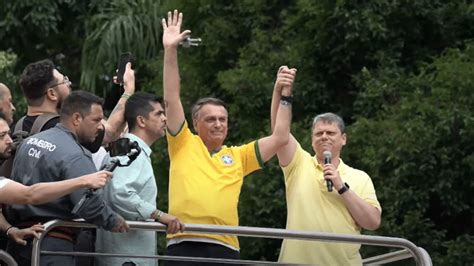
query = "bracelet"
x=9 y=228
x=285 y=103
x=125 y=95
x=288 y=99
x=158 y=214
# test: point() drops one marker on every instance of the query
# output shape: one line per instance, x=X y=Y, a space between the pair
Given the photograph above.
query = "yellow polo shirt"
x=204 y=188
x=311 y=207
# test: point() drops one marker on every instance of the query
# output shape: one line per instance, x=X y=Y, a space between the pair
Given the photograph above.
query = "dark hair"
x=330 y=118
x=139 y=104
x=35 y=79
x=79 y=101
x=203 y=101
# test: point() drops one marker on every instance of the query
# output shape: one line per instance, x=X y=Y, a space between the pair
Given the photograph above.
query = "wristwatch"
x=286 y=100
x=157 y=214
x=344 y=188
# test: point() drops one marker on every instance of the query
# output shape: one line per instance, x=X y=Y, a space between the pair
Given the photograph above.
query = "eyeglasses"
x=65 y=81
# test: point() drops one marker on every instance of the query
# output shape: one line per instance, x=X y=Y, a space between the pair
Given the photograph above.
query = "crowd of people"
x=46 y=175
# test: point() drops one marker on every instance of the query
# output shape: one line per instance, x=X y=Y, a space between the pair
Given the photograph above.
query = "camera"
x=121 y=147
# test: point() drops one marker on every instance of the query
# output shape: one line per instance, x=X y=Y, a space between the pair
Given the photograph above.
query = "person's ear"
x=344 y=139
x=76 y=119
x=52 y=94
x=195 y=122
x=140 y=121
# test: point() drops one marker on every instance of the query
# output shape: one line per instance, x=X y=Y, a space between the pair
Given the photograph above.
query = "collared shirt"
x=204 y=187
x=312 y=208
x=131 y=193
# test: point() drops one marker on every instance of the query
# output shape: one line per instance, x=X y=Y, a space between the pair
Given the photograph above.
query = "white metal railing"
x=7 y=259
x=410 y=250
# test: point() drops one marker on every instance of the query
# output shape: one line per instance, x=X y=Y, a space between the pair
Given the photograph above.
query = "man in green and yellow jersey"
x=206 y=176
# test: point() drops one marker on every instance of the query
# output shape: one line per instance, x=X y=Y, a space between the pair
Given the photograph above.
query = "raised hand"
x=97 y=180
x=19 y=235
x=129 y=79
x=285 y=80
x=172 y=34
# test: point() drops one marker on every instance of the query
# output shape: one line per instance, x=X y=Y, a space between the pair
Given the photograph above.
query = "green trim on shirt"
x=179 y=130
x=259 y=156
x=215 y=152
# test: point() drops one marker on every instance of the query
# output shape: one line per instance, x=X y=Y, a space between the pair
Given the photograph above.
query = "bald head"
x=3 y=88
x=6 y=104
x=5 y=140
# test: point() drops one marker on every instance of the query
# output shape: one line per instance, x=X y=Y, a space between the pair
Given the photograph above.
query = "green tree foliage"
x=35 y=30
x=29 y=23
x=331 y=43
x=419 y=149
x=399 y=72
x=8 y=61
x=116 y=27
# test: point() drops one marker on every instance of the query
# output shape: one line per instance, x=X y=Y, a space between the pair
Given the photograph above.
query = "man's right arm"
x=39 y=193
x=171 y=81
x=94 y=210
x=115 y=125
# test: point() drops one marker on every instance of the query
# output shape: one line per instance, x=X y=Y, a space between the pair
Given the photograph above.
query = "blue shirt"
x=131 y=193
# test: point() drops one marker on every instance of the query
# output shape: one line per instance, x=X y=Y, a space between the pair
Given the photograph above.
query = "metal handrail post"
x=426 y=257
x=7 y=258
x=305 y=235
x=35 y=251
x=387 y=257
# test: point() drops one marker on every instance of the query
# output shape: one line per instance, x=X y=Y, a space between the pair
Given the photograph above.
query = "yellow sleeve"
x=250 y=157
x=177 y=141
x=369 y=195
x=289 y=170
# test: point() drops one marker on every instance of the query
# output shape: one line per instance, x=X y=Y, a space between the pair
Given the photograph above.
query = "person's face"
x=6 y=104
x=155 y=123
x=62 y=87
x=211 y=124
x=327 y=137
x=5 y=140
x=90 y=125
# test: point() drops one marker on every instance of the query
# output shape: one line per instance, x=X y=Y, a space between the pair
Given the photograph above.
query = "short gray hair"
x=203 y=101
x=329 y=118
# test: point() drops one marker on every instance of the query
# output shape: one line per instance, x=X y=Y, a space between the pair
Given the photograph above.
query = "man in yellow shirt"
x=205 y=175
x=312 y=207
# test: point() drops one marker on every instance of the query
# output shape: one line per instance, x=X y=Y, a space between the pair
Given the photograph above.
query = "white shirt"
x=4 y=181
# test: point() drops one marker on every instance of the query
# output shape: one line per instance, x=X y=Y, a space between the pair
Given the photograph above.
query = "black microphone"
x=327 y=160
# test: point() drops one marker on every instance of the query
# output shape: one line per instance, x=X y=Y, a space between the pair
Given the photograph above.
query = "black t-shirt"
x=91 y=146
x=29 y=120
